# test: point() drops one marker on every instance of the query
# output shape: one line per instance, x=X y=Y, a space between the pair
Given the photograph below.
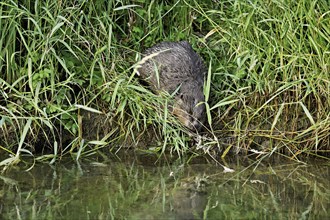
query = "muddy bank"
x=101 y=129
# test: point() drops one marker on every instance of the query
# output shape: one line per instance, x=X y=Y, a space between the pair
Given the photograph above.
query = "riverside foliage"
x=267 y=87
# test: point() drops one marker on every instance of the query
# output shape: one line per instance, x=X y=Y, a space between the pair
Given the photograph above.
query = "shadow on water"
x=138 y=188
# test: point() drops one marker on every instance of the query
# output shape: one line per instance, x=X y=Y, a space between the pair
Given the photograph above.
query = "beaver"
x=176 y=68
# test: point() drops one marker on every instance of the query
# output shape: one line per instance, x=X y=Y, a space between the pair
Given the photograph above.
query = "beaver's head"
x=189 y=106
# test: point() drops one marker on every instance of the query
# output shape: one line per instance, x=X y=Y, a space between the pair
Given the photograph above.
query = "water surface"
x=139 y=187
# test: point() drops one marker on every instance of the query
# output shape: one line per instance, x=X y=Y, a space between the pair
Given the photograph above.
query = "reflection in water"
x=136 y=188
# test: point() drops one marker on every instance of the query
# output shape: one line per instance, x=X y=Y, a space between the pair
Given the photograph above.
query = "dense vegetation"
x=267 y=88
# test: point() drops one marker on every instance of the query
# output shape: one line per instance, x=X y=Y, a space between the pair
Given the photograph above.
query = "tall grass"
x=267 y=88
x=277 y=66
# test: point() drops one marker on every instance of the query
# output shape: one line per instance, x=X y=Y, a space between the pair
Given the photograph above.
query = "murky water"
x=139 y=188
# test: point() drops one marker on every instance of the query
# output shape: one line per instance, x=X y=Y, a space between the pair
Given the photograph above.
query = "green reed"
x=267 y=87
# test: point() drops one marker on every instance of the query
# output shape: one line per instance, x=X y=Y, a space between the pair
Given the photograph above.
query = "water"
x=138 y=187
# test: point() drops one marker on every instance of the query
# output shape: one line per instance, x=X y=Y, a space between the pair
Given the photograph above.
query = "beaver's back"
x=175 y=66
x=175 y=62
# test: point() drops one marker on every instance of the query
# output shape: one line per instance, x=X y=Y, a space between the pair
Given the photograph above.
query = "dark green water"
x=136 y=187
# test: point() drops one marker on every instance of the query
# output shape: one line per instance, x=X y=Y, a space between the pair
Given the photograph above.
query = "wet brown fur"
x=175 y=66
